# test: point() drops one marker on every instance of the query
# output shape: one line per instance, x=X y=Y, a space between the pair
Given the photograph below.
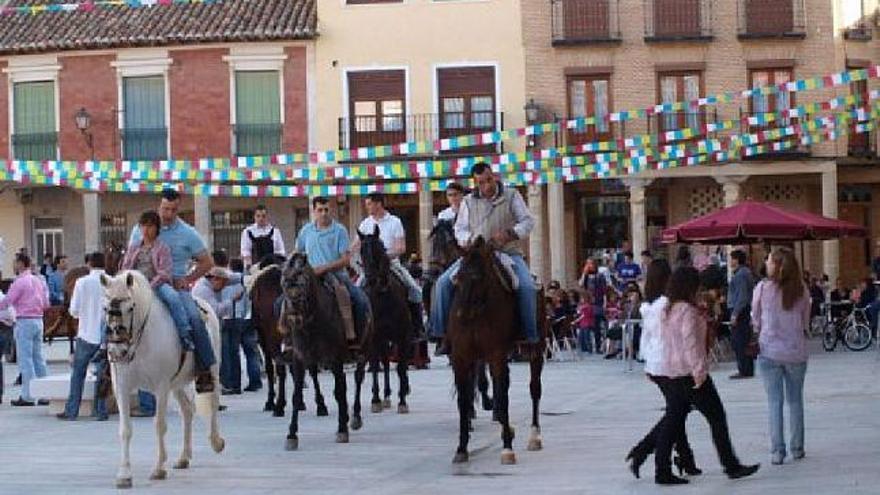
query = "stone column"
x=92 y=221
x=355 y=214
x=830 y=249
x=638 y=219
x=556 y=228
x=426 y=219
x=536 y=239
x=732 y=186
x=202 y=210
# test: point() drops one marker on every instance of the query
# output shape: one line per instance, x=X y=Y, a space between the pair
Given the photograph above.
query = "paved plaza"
x=593 y=411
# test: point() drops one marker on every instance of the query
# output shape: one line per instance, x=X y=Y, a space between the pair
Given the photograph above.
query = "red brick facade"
x=88 y=82
x=199 y=86
x=296 y=116
x=4 y=121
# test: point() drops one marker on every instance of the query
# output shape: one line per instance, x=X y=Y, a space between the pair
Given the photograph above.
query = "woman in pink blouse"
x=781 y=313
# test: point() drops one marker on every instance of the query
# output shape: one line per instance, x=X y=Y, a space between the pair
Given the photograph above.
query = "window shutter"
x=144 y=134
x=34 y=136
x=257 y=113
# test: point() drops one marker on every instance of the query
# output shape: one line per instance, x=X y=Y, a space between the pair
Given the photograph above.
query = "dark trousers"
x=647 y=445
x=740 y=335
x=5 y=339
x=238 y=333
x=670 y=428
x=706 y=400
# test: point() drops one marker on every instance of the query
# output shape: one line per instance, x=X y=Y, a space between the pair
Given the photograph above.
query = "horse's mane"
x=379 y=260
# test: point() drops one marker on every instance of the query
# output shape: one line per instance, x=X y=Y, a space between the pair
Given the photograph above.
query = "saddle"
x=343 y=300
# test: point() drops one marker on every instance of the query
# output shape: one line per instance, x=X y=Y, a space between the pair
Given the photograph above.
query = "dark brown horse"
x=265 y=292
x=313 y=334
x=392 y=323
x=483 y=325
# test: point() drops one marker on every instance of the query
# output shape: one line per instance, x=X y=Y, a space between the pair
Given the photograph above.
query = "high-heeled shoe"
x=688 y=468
x=636 y=460
x=741 y=471
x=667 y=478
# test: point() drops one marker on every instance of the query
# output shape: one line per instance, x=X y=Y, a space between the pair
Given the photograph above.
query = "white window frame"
x=142 y=63
x=52 y=231
x=369 y=68
x=33 y=68
x=255 y=59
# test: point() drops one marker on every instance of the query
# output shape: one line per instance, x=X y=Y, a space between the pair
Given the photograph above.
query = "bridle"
x=120 y=334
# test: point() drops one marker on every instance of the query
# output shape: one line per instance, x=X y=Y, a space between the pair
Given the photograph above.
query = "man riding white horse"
x=499 y=214
x=186 y=244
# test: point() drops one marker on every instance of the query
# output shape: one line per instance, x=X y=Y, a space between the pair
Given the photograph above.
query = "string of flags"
x=93 y=5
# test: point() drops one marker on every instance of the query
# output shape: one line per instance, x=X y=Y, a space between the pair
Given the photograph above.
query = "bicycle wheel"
x=829 y=337
x=857 y=337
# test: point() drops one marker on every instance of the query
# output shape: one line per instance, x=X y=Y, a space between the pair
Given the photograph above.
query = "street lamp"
x=533 y=111
x=84 y=123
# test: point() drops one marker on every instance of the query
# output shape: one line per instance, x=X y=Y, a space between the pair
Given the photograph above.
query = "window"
x=226 y=227
x=467 y=102
x=48 y=237
x=377 y=109
x=772 y=18
x=144 y=133
x=114 y=229
x=771 y=103
x=34 y=136
x=588 y=96
x=257 y=113
x=676 y=18
x=585 y=21
x=680 y=86
x=859 y=143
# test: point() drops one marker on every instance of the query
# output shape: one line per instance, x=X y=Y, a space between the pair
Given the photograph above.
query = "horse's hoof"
x=402 y=409
x=508 y=457
x=460 y=458
x=535 y=440
x=278 y=413
x=357 y=423
x=342 y=438
x=488 y=404
x=386 y=403
x=376 y=407
x=181 y=464
x=159 y=474
x=123 y=483
x=291 y=444
x=322 y=410
x=300 y=406
x=269 y=407
x=218 y=445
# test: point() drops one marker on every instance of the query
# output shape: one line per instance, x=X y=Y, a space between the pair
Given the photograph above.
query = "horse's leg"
x=464 y=387
x=501 y=381
x=270 y=380
x=403 y=383
x=356 y=420
x=281 y=400
x=217 y=442
x=123 y=399
x=159 y=472
x=536 y=367
x=319 y=399
x=376 y=402
x=341 y=395
x=298 y=371
x=386 y=370
x=187 y=410
x=483 y=384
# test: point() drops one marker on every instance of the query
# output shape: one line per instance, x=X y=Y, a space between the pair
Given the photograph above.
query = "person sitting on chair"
x=499 y=214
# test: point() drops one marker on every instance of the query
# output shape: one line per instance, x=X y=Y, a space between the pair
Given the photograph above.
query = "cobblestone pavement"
x=592 y=413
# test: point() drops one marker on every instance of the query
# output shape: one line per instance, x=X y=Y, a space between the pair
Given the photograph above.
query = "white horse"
x=145 y=353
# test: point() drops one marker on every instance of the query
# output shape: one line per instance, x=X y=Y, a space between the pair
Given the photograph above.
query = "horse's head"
x=375 y=259
x=474 y=278
x=120 y=305
x=444 y=247
x=297 y=283
x=271 y=259
x=114 y=252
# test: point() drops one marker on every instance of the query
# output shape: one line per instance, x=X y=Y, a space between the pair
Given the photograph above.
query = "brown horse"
x=483 y=325
x=266 y=290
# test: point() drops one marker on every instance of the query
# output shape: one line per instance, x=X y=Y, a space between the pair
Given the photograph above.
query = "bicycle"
x=853 y=330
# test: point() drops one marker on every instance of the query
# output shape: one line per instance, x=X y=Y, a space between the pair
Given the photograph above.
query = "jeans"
x=28 y=334
x=359 y=302
x=441 y=301
x=239 y=333
x=740 y=334
x=585 y=339
x=171 y=297
x=5 y=339
x=776 y=376
x=146 y=403
x=414 y=292
x=84 y=354
x=204 y=352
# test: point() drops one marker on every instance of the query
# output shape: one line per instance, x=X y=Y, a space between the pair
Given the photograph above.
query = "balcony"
x=795 y=151
x=368 y=131
x=35 y=146
x=761 y=19
x=145 y=144
x=860 y=31
x=257 y=139
x=678 y=20
x=585 y=22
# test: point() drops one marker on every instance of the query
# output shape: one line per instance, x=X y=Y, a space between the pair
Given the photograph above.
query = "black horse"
x=392 y=319
x=313 y=335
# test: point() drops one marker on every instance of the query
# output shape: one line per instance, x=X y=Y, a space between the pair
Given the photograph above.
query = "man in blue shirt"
x=628 y=271
x=325 y=243
x=186 y=244
x=55 y=281
x=739 y=301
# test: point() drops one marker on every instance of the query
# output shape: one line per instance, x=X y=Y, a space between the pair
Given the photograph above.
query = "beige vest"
x=487 y=217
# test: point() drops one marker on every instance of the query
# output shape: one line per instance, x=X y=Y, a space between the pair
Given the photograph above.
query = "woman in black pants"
x=682 y=375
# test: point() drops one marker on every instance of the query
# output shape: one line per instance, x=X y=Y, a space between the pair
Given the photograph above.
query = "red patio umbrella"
x=752 y=222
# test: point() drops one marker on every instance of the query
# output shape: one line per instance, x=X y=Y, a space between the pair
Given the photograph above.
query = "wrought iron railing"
x=576 y=22
x=676 y=20
x=114 y=229
x=771 y=19
x=35 y=146
x=145 y=144
x=226 y=227
x=257 y=139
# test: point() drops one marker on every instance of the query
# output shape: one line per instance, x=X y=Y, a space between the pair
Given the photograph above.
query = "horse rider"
x=499 y=214
x=260 y=239
x=454 y=195
x=186 y=244
x=325 y=243
x=394 y=239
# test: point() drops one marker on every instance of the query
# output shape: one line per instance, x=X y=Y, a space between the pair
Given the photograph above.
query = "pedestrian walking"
x=739 y=300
